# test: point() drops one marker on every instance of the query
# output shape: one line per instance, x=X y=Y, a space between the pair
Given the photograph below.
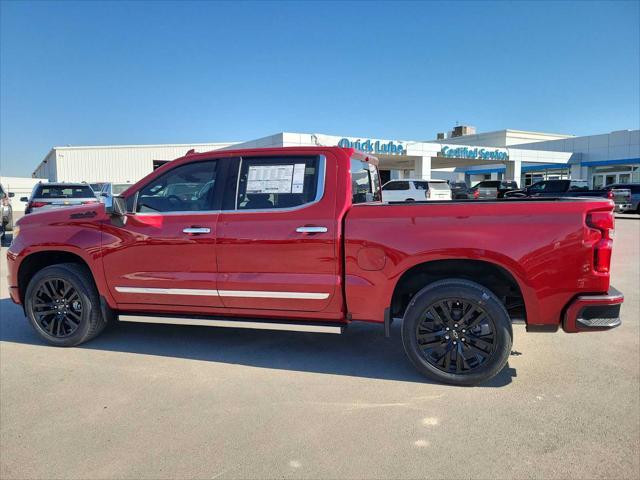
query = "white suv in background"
x=415 y=190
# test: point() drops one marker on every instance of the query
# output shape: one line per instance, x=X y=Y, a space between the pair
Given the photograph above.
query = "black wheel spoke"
x=479 y=342
x=483 y=353
x=465 y=318
x=71 y=322
x=446 y=311
x=67 y=289
x=430 y=335
x=51 y=291
x=51 y=324
x=436 y=315
x=447 y=359
x=477 y=320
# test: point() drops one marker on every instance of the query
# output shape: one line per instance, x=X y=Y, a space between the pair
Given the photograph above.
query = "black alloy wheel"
x=457 y=331
x=456 y=335
x=57 y=307
x=63 y=305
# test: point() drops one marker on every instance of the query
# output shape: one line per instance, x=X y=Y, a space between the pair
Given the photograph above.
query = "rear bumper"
x=591 y=313
x=623 y=207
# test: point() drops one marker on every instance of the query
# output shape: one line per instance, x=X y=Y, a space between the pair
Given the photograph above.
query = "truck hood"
x=71 y=214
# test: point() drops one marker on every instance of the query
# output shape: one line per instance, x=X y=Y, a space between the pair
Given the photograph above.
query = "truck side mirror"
x=24 y=199
x=115 y=206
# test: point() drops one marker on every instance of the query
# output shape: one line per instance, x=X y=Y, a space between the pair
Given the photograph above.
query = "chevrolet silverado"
x=300 y=239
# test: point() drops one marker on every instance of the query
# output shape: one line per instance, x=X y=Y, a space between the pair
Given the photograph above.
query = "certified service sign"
x=474 y=153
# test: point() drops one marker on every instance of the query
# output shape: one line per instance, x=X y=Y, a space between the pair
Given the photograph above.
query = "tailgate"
x=621 y=195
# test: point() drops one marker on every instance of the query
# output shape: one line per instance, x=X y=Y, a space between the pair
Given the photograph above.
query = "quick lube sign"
x=374 y=146
x=474 y=153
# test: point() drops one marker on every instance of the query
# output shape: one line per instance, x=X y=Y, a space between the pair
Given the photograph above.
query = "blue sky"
x=129 y=73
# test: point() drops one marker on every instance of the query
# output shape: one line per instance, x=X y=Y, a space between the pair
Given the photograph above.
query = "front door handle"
x=196 y=230
x=311 y=229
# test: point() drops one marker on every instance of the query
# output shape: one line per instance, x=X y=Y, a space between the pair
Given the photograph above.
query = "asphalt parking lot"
x=154 y=401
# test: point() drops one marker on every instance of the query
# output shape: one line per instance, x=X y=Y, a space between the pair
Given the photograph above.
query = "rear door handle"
x=196 y=230
x=311 y=229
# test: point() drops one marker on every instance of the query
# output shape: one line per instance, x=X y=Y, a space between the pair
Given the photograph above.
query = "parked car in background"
x=55 y=195
x=492 y=188
x=6 y=219
x=110 y=189
x=415 y=190
x=574 y=188
x=553 y=188
x=459 y=190
x=97 y=187
x=633 y=205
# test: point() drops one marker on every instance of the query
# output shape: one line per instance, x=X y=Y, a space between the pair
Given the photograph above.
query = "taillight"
x=476 y=194
x=37 y=204
x=89 y=201
x=427 y=194
x=602 y=224
x=610 y=194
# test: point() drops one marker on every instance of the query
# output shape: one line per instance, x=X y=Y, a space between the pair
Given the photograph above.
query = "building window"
x=608 y=175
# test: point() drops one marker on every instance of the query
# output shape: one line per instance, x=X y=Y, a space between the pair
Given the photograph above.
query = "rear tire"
x=63 y=306
x=457 y=332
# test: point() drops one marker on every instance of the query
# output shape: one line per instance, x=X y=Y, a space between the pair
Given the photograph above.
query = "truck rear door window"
x=277 y=182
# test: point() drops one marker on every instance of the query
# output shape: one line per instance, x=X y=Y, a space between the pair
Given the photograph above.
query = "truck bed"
x=540 y=241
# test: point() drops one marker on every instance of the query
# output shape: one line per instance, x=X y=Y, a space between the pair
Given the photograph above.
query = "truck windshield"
x=365 y=182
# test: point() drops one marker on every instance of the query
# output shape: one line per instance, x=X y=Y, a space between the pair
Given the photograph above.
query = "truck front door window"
x=188 y=188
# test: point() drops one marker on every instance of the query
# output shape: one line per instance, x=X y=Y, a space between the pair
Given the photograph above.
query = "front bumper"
x=592 y=313
x=12 y=275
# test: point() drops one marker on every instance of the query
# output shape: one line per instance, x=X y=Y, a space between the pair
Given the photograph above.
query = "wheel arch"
x=489 y=274
x=37 y=260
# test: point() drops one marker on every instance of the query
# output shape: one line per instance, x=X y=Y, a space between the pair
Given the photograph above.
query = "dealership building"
x=461 y=155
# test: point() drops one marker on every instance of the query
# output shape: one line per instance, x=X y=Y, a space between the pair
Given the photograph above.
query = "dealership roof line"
x=149 y=145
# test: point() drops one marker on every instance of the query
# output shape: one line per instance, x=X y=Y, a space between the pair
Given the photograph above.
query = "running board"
x=229 y=323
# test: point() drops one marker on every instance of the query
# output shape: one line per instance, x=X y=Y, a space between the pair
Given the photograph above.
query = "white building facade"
x=506 y=154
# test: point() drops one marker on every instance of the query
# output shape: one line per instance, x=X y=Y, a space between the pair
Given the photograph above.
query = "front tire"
x=63 y=306
x=457 y=332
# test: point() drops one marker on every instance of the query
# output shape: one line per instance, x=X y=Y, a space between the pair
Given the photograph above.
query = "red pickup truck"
x=300 y=239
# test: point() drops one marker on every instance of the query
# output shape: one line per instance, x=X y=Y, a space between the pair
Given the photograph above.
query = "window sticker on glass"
x=270 y=179
x=298 y=178
x=276 y=178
